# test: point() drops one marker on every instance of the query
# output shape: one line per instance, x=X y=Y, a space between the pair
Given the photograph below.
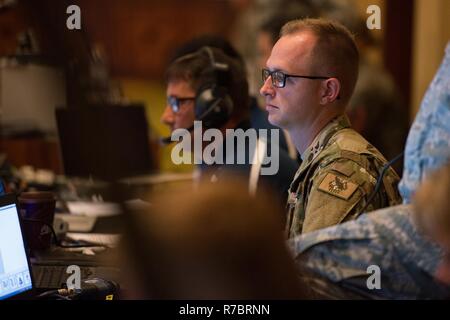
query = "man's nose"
x=168 y=117
x=267 y=88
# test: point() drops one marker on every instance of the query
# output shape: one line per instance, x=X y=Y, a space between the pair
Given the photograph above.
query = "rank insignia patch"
x=338 y=186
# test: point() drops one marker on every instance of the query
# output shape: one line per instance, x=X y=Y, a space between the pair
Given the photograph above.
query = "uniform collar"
x=322 y=138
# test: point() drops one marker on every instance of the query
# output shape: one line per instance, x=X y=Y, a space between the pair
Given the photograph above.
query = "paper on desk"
x=106 y=239
x=93 y=209
x=76 y=222
x=138 y=204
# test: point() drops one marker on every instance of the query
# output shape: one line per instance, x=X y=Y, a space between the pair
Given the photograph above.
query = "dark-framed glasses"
x=279 y=77
x=175 y=103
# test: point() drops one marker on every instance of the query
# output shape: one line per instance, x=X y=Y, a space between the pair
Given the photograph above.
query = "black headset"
x=213 y=104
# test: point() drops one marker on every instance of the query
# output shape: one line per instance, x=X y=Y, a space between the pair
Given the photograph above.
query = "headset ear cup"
x=213 y=106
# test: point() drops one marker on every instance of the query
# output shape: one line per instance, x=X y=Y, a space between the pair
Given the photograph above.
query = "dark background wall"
x=137 y=35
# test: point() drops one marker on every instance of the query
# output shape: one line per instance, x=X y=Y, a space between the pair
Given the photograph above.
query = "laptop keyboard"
x=55 y=277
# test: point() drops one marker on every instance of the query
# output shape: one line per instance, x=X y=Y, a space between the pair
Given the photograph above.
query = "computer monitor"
x=104 y=142
x=15 y=276
x=2 y=187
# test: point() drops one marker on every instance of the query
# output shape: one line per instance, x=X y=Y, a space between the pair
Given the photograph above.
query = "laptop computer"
x=22 y=276
x=15 y=272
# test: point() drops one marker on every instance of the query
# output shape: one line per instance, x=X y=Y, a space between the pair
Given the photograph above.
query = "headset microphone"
x=165 y=141
x=168 y=140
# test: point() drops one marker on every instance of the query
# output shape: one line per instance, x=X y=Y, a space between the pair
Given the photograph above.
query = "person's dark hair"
x=207 y=40
x=196 y=69
x=335 y=52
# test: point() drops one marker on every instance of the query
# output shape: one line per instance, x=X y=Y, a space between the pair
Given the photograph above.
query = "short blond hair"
x=335 y=48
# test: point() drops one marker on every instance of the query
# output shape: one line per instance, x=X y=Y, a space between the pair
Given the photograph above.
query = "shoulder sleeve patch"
x=337 y=186
x=343 y=167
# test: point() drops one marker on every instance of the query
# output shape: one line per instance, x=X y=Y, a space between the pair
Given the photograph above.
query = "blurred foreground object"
x=218 y=243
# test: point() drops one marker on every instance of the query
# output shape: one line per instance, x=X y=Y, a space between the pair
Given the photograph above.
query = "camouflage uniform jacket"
x=387 y=239
x=337 y=176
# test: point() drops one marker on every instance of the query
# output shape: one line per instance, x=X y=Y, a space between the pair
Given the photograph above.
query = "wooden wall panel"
x=36 y=152
x=398 y=45
x=12 y=21
x=137 y=35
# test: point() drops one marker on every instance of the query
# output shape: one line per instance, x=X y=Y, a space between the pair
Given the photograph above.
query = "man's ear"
x=330 y=91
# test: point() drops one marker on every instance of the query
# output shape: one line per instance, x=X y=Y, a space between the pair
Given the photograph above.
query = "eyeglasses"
x=175 y=103
x=279 y=78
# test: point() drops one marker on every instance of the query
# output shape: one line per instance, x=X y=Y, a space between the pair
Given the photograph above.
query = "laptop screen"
x=14 y=269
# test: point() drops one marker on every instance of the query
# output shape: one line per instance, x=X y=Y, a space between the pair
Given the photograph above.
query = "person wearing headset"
x=258 y=116
x=308 y=81
x=211 y=87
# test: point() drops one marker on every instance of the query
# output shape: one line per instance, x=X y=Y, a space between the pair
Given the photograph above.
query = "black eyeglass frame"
x=266 y=73
x=176 y=102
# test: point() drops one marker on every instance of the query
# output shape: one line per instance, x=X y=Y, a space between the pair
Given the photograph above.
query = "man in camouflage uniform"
x=313 y=69
x=336 y=259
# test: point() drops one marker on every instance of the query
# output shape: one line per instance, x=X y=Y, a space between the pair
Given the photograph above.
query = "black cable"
x=47 y=294
x=380 y=181
x=60 y=294
x=60 y=297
